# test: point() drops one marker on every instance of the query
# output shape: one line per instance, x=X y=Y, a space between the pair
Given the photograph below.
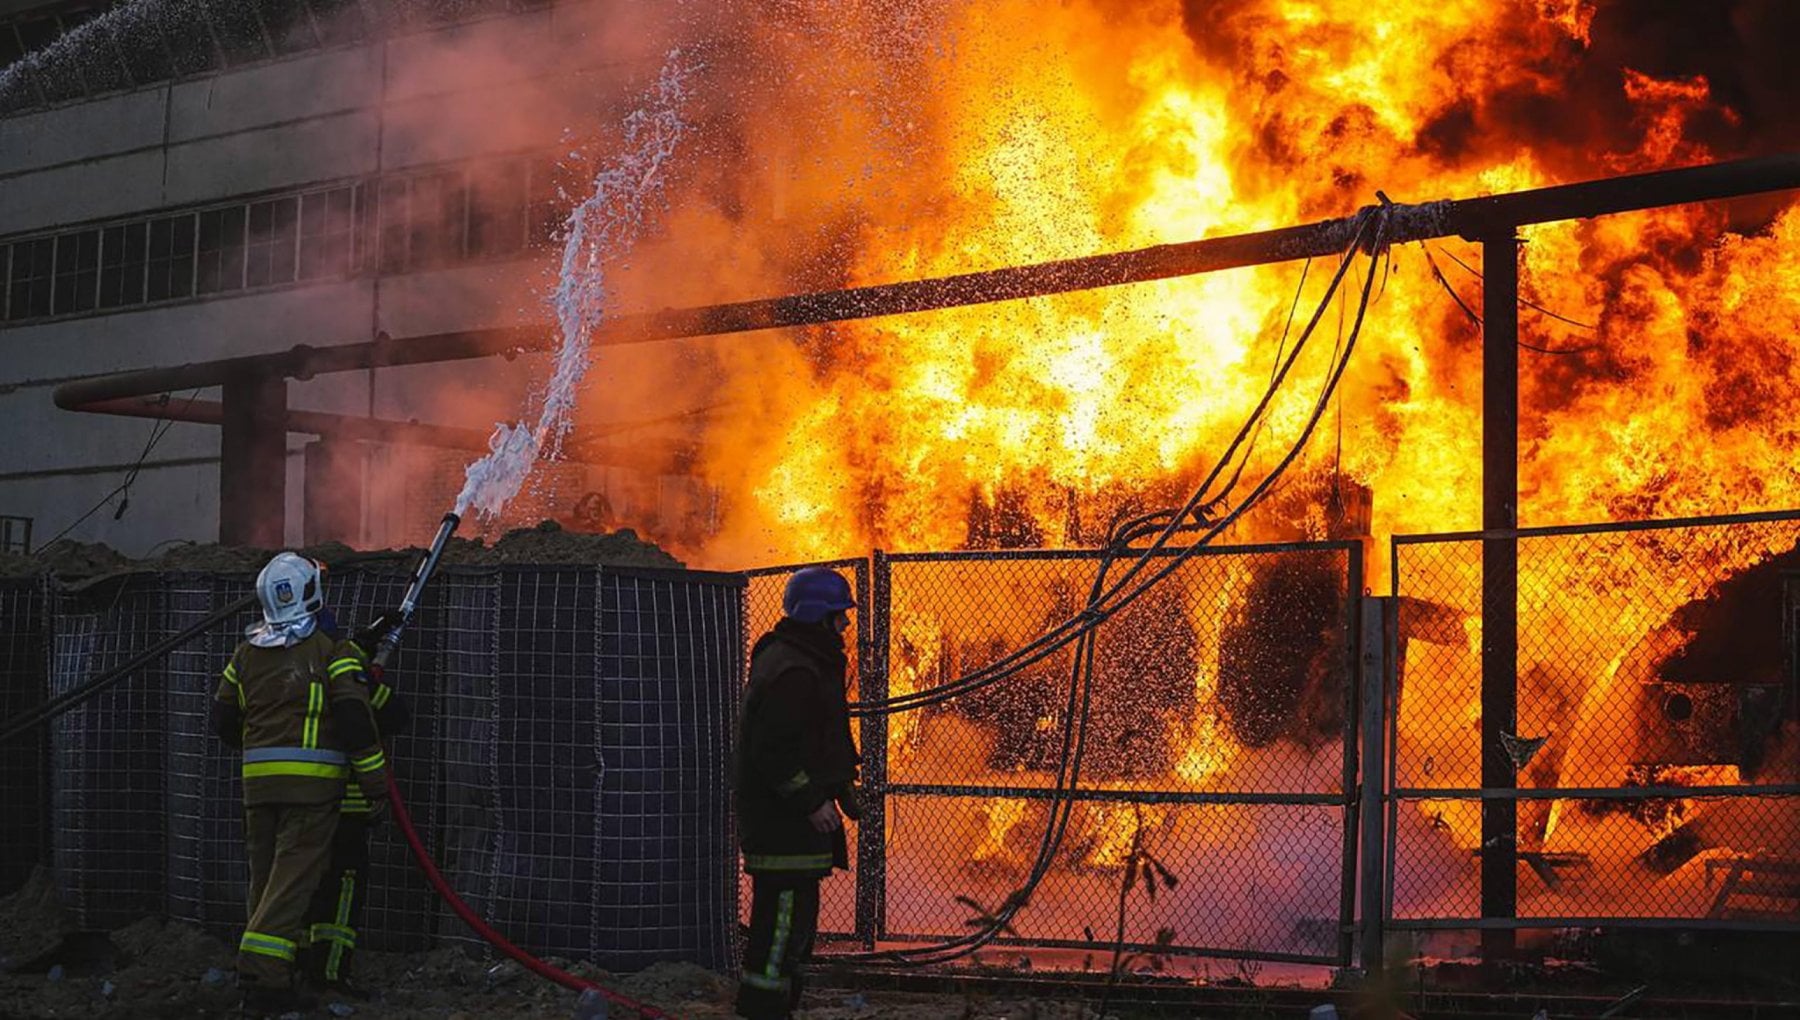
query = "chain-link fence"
x=567 y=759
x=840 y=919
x=1638 y=684
x=1221 y=726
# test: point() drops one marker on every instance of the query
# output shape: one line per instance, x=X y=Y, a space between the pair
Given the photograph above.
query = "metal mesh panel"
x=1654 y=745
x=514 y=679
x=108 y=755
x=23 y=639
x=1216 y=731
x=545 y=753
x=670 y=659
x=444 y=760
x=206 y=868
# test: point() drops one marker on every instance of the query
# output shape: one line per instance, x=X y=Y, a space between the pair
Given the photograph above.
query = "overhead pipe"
x=583 y=445
x=1472 y=218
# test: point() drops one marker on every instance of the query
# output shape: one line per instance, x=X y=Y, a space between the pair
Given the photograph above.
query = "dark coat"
x=795 y=752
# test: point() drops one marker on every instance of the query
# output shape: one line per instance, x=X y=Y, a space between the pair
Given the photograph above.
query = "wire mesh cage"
x=23 y=660
x=567 y=758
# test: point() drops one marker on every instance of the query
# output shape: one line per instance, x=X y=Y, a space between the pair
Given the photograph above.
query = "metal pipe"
x=1379 y=630
x=1499 y=581
x=583 y=445
x=1475 y=217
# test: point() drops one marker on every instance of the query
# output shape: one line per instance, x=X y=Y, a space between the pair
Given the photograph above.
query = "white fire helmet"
x=291 y=588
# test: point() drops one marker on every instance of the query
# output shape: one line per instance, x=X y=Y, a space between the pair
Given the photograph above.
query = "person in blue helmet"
x=796 y=770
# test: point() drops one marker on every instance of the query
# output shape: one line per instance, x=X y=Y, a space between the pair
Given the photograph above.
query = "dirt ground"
x=159 y=969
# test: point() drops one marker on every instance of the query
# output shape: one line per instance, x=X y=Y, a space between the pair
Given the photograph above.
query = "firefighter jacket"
x=391 y=717
x=301 y=714
x=795 y=752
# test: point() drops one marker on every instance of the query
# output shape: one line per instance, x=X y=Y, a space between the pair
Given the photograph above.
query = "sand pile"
x=546 y=543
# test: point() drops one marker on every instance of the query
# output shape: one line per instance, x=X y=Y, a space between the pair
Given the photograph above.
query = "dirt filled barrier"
x=567 y=760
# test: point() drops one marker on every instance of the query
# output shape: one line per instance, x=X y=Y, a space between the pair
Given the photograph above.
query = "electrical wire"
x=1059 y=636
x=1476 y=273
x=157 y=432
x=1081 y=688
x=1476 y=319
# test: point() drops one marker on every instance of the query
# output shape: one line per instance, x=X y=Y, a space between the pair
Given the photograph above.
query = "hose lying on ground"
x=480 y=927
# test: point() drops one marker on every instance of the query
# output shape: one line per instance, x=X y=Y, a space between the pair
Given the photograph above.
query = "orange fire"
x=1039 y=132
x=1658 y=379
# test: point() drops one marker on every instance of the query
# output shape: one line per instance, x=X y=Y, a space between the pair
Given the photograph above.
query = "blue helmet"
x=814 y=593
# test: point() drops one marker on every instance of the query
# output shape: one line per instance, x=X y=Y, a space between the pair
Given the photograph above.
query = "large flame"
x=1042 y=131
x=1659 y=366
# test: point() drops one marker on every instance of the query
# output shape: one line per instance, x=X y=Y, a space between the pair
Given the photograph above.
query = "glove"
x=850 y=803
x=369 y=636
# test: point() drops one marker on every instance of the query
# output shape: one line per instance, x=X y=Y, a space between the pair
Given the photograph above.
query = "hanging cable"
x=1081 y=672
x=1111 y=600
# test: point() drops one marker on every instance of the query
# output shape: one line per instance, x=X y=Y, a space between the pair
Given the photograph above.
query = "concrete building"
x=183 y=181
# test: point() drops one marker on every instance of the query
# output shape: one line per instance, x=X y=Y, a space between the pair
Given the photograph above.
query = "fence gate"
x=1221 y=746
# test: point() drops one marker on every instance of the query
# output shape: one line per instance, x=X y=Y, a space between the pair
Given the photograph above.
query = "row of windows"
x=389 y=225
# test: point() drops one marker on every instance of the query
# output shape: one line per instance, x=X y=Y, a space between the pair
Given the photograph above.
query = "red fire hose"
x=486 y=931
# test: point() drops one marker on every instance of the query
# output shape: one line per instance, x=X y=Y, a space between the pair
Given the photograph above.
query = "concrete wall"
x=428 y=98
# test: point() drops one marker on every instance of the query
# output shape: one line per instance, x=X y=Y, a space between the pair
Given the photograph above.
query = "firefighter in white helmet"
x=295 y=700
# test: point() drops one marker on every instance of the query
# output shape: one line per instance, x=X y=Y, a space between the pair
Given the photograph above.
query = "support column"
x=1379 y=639
x=253 y=462
x=1500 y=582
x=872 y=677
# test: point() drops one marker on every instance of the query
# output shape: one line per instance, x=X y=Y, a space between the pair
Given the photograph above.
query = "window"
x=122 y=261
x=327 y=231
x=33 y=267
x=77 y=271
x=15 y=535
x=391 y=229
x=497 y=210
x=171 y=258
x=436 y=220
x=220 y=264
x=272 y=238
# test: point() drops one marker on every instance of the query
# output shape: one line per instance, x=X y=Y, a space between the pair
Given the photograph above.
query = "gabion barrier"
x=1655 y=748
x=23 y=796
x=568 y=760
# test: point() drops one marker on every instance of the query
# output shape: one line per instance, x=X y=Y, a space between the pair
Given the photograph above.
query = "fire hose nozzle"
x=390 y=642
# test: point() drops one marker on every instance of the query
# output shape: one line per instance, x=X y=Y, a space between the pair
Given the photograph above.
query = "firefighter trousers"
x=784 y=919
x=289 y=845
x=335 y=914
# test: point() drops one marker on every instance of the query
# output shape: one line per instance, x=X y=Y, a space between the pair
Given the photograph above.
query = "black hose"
x=113 y=677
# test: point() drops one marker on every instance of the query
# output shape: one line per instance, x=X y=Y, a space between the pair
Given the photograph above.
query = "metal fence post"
x=1499 y=583
x=1378 y=630
x=872 y=681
